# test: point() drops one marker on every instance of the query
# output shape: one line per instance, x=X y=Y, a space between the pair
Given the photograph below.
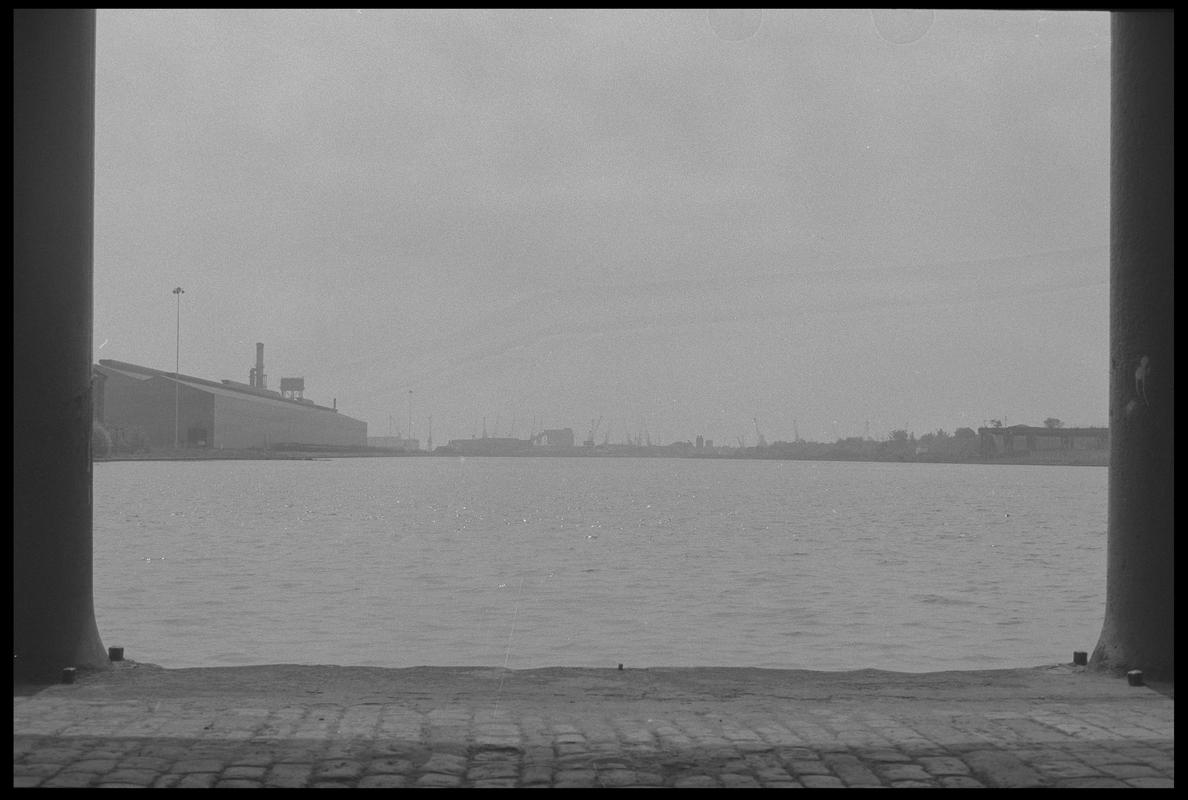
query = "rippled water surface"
x=533 y=562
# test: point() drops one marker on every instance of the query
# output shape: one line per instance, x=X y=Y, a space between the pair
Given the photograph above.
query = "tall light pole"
x=410 y=415
x=176 y=371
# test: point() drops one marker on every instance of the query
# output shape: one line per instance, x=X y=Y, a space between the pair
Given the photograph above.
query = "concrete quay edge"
x=140 y=725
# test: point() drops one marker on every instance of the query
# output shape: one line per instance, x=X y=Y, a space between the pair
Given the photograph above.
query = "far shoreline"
x=1092 y=459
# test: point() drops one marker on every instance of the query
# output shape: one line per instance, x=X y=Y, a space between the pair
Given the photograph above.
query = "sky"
x=719 y=223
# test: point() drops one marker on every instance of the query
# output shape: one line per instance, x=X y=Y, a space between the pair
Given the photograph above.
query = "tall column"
x=1139 y=627
x=53 y=168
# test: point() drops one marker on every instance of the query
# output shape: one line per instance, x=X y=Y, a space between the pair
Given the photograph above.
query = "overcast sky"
x=831 y=222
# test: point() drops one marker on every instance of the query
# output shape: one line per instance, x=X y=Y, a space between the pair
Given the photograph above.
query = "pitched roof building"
x=162 y=409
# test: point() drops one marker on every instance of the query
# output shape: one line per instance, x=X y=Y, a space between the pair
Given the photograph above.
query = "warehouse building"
x=1022 y=439
x=140 y=408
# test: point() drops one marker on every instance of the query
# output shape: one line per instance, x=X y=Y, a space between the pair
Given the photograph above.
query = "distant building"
x=153 y=407
x=490 y=446
x=393 y=442
x=560 y=437
x=1022 y=439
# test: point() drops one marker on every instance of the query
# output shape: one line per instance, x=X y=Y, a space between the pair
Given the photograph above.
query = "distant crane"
x=606 y=436
x=758 y=435
x=593 y=429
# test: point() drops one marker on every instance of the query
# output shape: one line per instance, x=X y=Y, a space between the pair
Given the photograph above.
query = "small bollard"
x=1080 y=658
x=68 y=675
x=1135 y=677
x=115 y=653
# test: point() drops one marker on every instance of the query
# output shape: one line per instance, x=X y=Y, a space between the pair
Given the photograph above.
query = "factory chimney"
x=256 y=375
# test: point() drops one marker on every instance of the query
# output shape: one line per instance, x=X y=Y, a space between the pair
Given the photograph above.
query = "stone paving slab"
x=138 y=725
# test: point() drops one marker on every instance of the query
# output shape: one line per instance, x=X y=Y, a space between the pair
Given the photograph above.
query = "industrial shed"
x=152 y=407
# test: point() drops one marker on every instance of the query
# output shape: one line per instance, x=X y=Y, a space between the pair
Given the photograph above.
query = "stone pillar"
x=53 y=177
x=1139 y=627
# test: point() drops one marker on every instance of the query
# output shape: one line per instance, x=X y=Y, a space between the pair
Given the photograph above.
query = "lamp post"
x=176 y=371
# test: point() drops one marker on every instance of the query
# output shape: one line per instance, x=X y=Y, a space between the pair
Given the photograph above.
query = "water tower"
x=292 y=388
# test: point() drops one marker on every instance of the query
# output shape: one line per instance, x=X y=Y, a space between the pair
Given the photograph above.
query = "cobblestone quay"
x=139 y=725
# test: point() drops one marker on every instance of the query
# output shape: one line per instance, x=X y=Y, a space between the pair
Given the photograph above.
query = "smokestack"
x=260 y=384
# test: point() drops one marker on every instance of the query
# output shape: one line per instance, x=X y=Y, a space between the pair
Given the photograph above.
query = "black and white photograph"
x=580 y=398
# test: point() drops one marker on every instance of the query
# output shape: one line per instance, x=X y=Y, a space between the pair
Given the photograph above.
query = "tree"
x=964 y=433
x=899 y=435
x=1053 y=423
